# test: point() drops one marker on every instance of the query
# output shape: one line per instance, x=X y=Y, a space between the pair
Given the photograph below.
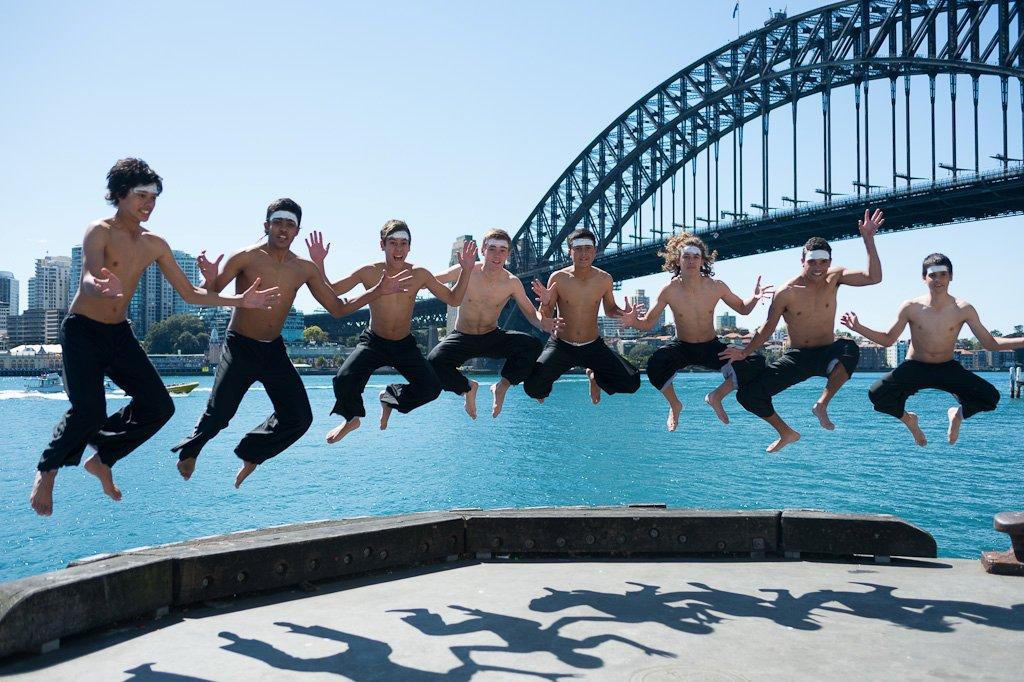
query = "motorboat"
x=183 y=388
x=48 y=382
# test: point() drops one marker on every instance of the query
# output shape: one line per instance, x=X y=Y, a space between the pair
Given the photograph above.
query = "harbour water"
x=565 y=452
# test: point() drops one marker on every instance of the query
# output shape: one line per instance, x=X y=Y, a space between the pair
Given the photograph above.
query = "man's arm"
x=850 y=321
x=989 y=342
x=611 y=308
x=738 y=304
x=775 y=311
x=96 y=279
x=868 y=228
x=338 y=307
x=534 y=315
x=190 y=293
x=549 y=297
x=453 y=297
x=646 y=322
x=318 y=254
x=450 y=275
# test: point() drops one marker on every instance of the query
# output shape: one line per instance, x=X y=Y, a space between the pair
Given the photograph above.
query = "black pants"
x=677 y=355
x=797 y=365
x=91 y=349
x=612 y=372
x=519 y=350
x=889 y=394
x=243 y=362
x=373 y=352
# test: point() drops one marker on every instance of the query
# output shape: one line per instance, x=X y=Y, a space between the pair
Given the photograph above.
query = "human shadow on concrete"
x=363 y=660
x=145 y=673
x=521 y=636
x=697 y=611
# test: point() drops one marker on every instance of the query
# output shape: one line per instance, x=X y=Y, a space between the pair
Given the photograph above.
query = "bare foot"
x=821 y=412
x=673 y=415
x=342 y=430
x=186 y=467
x=470 y=399
x=910 y=419
x=956 y=418
x=42 y=492
x=715 y=401
x=784 y=440
x=499 y=390
x=243 y=473
x=101 y=471
x=385 y=412
x=595 y=390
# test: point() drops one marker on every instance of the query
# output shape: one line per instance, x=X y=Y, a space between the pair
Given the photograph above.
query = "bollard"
x=1010 y=562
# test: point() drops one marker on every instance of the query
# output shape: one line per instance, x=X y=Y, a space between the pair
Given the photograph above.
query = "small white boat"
x=48 y=382
x=180 y=389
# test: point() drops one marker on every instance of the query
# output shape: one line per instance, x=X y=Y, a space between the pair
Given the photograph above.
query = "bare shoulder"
x=97 y=229
x=602 y=274
x=560 y=275
x=154 y=243
x=965 y=307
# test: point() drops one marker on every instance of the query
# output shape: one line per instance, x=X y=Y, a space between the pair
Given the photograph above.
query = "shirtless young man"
x=808 y=304
x=97 y=339
x=692 y=295
x=254 y=350
x=476 y=332
x=388 y=342
x=578 y=292
x=935 y=321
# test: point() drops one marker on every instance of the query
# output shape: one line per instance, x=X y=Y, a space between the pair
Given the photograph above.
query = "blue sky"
x=456 y=116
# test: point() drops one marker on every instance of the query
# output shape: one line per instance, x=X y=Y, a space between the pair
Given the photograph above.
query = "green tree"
x=177 y=334
x=640 y=353
x=315 y=335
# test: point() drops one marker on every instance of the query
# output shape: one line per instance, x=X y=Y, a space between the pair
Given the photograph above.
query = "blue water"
x=565 y=452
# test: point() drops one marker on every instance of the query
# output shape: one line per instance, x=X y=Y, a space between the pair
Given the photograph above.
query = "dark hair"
x=936 y=259
x=675 y=246
x=816 y=244
x=580 y=232
x=496 y=233
x=129 y=173
x=394 y=225
x=285 y=204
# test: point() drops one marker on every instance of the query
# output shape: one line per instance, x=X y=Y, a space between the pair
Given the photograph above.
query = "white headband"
x=818 y=254
x=932 y=269
x=496 y=241
x=283 y=215
x=152 y=188
x=693 y=250
x=581 y=241
x=398 y=234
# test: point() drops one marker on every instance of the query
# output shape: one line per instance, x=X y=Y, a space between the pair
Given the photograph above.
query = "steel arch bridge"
x=844 y=45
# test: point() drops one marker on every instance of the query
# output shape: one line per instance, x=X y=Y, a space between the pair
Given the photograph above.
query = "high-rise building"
x=641 y=298
x=725 y=322
x=609 y=327
x=35 y=325
x=155 y=299
x=216 y=320
x=8 y=298
x=48 y=290
x=453 y=313
x=294 y=325
x=75 y=280
x=897 y=352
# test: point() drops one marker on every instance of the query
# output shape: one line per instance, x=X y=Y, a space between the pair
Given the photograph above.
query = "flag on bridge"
x=735 y=10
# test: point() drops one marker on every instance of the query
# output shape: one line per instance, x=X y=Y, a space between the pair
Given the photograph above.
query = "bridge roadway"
x=640 y=593
x=986 y=195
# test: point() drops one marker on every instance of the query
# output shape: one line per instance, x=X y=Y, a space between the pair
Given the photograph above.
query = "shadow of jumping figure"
x=365 y=659
x=145 y=673
x=520 y=635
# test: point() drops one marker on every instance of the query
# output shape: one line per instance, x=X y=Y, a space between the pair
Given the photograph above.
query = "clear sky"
x=456 y=116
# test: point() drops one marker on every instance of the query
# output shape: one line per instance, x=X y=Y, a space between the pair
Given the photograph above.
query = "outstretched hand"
x=315 y=244
x=208 y=268
x=630 y=314
x=467 y=257
x=552 y=324
x=871 y=223
x=261 y=299
x=850 y=321
x=542 y=293
x=762 y=293
x=109 y=285
x=393 y=284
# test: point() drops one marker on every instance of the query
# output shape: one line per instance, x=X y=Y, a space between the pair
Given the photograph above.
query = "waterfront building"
x=8 y=298
x=35 y=325
x=155 y=299
x=75 y=280
x=216 y=320
x=48 y=289
x=179 y=363
x=609 y=327
x=725 y=322
x=294 y=325
x=31 y=359
x=897 y=352
x=641 y=298
x=872 y=356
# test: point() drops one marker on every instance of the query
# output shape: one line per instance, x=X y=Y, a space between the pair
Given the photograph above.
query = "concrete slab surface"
x=641 y=621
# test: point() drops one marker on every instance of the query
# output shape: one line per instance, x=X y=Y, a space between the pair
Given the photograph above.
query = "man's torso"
x=693 y=308
x=579 y=299
x=810 y=312
x=934 y=330
x=127 y=255
x=288 y=275
x=391 y=316
x=485 y=297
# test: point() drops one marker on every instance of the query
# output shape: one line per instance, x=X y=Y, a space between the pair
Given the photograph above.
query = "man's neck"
x=392 y=267
x=689 y=277
x=937 y=299
x=582 y=270
x=122 y=220
x=491 y=269
x=276 y=253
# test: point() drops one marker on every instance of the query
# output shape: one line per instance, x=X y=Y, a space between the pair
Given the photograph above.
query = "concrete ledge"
x=36 y=612
x=816 y=532
x=618 y=531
